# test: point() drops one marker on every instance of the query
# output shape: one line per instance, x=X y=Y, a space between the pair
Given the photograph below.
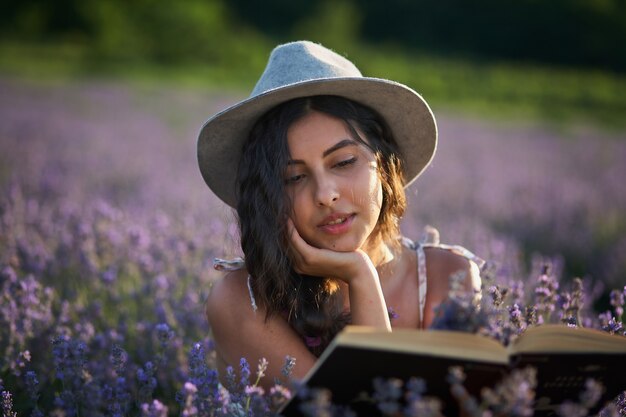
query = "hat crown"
x=299 y=61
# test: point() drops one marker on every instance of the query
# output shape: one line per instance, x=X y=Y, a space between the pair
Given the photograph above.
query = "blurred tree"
x=41 y=19
x=144 y=29
x=141 y=30
x=274 y=17
x=336 y=24
x=565 y=32
x=569 y=32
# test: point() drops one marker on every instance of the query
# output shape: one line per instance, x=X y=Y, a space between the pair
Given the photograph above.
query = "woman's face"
x=333 y=182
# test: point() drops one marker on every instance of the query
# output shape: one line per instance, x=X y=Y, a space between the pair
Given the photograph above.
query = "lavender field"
x=107 y=235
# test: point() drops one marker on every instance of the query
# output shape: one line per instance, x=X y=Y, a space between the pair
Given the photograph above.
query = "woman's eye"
x=346 y=162
x=294 y=179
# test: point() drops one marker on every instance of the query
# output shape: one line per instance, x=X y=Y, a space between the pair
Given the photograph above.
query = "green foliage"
x=145 y=29
x=173 y=33
x=432 y=47
x=336 y=23
x=563 y=32
x=503 y=90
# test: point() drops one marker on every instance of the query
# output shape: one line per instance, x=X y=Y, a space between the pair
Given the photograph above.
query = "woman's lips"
x=337 y=224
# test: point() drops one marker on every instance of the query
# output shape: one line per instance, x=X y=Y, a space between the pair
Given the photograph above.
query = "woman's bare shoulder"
x=443 y=263
x=239 y=331
x=440 y=257
x=229 y=298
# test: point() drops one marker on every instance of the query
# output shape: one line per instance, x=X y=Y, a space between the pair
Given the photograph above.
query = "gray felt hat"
x=300 y=69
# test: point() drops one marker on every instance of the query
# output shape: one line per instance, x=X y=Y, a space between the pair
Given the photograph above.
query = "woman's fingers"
x=303 y=254
x=310 y=260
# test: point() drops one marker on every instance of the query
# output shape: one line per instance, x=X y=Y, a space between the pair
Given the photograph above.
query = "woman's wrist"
x=367 y=303
x=360 y=271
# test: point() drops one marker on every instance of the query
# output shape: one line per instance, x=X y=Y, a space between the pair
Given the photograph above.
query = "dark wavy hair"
x=311 y=305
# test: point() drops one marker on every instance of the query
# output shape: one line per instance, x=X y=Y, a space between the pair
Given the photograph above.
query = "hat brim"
x=407 y=114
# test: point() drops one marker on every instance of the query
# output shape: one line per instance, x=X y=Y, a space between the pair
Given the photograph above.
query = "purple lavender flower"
x=516 y=317
x=109 y=276
x=287 y=368
x=147 y=382
x=416 y=404
x=387 y=395
x=207 y=394
x=154 y=409
x=530 y=314
x=80 y=238
x=608 y=323
x=244 y=374
x=256 y=404
x=468 y=404
x=186 y=398
x=611 y=410
x=571 y=304
x=392 y=313
x=278 y=396
x=546 y=294
x=514 y=395
x=164 y=334
x=7 y=404
x=572 y=409
x=592 y=393
x=461 y=311
x=587 y=400
x=261 y=369
x=69 y=358
x=617 y=301
x=498 y=294
x=118 y=359
x=32 y=385
x=67 y=402
x=118 y=398
x=317 y=403
x=36 y=413
x=516 y=291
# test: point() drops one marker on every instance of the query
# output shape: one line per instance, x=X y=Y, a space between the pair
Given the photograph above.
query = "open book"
x=564 y=358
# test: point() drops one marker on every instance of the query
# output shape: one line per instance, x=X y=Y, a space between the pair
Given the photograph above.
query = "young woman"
x=316 y=162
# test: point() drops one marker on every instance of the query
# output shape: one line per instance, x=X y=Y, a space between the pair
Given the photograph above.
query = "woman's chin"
x=339 y=245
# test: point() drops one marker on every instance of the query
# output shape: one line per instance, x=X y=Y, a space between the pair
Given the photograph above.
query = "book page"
x=555 y=338
x=450 y=344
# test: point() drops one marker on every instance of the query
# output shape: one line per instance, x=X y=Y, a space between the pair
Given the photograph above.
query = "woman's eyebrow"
x=341 y=144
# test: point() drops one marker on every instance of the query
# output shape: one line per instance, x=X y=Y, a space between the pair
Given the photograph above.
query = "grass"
x=509 y=91
x=498 y=91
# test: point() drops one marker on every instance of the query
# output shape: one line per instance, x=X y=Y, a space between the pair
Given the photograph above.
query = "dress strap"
x=252 y=299
x=430 y=239
x=229 y=264
x=236 y=264
x=421 y=281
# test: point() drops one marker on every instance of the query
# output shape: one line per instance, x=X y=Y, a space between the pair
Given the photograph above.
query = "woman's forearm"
x=367 y=303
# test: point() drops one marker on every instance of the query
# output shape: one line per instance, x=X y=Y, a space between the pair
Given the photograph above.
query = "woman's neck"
x=379 y=252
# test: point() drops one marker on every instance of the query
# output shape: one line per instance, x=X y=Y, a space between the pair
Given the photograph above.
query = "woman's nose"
x=326 y=192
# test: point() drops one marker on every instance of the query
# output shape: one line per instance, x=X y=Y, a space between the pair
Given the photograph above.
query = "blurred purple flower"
x=617 y=301
x=7 y=404
x=154 y=409
x=164 y=334
x=387 y=395
x=147 y=382
x=118 y=359
x=32 y=385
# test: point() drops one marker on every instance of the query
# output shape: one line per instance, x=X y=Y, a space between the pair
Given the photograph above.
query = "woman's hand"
x=346 y=266
x=367 y=303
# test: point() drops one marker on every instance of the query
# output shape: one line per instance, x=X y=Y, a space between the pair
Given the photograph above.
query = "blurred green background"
x=559 y=61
